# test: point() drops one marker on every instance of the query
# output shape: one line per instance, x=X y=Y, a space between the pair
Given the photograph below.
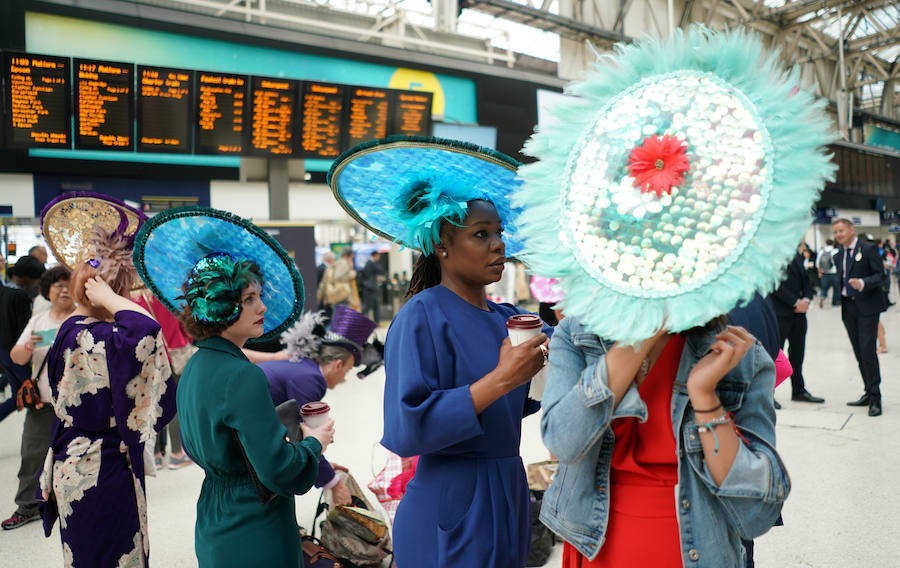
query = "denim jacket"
x=578 y=409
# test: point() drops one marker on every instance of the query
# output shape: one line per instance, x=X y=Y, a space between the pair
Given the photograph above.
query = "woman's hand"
x=340 y=494
x=724 y=354
x=324 y=433
x=519 y=363
x=32 y=342
x=98 y=292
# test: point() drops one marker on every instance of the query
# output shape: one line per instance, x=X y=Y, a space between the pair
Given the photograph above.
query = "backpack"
x=826 y=261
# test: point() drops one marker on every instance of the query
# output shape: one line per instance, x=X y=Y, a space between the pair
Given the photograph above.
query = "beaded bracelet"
x=710 y=426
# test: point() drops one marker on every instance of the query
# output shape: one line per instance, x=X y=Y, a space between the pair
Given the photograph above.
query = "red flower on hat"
x=658 y=164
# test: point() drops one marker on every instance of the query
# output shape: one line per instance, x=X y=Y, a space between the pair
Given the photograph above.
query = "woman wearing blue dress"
x=456 y=390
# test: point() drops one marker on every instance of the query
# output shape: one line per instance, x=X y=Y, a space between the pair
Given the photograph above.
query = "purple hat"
x=349 y=329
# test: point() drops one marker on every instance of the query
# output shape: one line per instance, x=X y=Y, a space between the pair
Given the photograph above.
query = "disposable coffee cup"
x=521 y=328
x=315 y=413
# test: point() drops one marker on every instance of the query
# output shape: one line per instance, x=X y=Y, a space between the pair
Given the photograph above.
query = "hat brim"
x=755 y=143
x=169 y=245
x=368 y=179
x=69 y=222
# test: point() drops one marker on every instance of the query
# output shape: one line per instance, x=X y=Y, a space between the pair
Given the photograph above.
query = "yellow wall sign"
x=416 y=80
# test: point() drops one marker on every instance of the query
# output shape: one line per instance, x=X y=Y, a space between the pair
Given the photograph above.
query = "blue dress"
x=468 y=504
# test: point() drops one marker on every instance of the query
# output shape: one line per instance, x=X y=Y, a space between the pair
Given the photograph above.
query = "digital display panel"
x=368 y=114
x=412 y=113
x=164 y=109
x=221 y=100
x=104 y=105
x=273 y=108
x=37 y=95
x=322 y=106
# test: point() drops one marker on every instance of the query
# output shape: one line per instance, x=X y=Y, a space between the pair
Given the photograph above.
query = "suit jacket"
x=758 y=318
x=863 y=262
x=796 y=285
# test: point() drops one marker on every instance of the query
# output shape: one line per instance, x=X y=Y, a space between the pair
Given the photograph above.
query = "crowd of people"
x=659 y=374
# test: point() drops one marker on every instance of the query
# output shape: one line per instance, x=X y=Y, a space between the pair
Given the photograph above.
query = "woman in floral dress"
x=113 y=387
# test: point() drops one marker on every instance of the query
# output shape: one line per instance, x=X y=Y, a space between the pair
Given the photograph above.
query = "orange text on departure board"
x=32 y=93
x=222 y=98
x=322 y=107
x=272 y=118
x=368 y=115
x=95 y=95
x=166 y=85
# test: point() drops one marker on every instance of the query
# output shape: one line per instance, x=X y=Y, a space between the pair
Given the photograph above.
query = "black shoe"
x=875 y=408
x=806 y=397
x=17 y=520
x=863 y=401
x=777 y=406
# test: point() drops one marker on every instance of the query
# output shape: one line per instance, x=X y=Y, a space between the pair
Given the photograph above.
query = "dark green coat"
x=219 y=393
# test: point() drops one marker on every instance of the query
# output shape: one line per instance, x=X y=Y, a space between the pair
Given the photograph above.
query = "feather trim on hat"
x=113 y=251
x=303 y=339
x=428 y=202
x=795 y=122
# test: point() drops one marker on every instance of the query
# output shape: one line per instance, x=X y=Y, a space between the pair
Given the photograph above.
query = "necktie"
x=847 y=252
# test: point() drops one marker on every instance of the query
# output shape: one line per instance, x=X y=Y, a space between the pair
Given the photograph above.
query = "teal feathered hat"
x=403 y=187
x=676 y=183
x=204 y=257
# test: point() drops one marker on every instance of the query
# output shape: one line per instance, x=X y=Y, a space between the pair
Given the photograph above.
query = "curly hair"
x=212 y=293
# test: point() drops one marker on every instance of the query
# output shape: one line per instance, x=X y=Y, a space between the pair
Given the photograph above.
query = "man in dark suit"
x=790 y=301
x=861 y=273
x=372 y=276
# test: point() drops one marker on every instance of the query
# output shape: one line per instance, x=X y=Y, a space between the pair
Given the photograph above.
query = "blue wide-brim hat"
x=169 y=245
x=371 y=182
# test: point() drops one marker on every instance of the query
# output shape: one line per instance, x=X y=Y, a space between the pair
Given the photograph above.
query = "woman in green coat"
x=225 y=408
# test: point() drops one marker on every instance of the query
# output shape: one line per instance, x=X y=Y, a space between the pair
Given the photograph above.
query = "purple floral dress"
x=113 y=390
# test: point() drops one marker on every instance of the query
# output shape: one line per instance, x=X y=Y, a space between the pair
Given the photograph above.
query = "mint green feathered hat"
x=676 y=183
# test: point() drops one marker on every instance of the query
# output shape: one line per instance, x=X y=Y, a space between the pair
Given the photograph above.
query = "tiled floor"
x=844 y=510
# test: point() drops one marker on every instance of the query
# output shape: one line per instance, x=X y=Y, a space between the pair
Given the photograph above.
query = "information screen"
x=273 y=104
x=321 y=124
x=412 y=113
x=220 y=105
x=37 y=101
x=368 y=114
x=164 y=109
x=104 y=105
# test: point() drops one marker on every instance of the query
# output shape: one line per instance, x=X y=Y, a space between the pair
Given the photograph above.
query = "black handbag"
x=289 y=415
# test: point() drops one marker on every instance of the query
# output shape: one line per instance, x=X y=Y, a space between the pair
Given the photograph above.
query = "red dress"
x=643 y=526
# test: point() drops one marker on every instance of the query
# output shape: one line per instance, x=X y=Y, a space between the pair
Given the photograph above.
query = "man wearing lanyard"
x=862 y=301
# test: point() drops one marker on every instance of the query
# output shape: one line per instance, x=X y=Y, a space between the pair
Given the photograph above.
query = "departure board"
x=165 y=109
x=273 y=105
x=104 y=105
x=412 y=113
x=37 y=101
x=322 y=105
x=220 y=107
x=368 y=114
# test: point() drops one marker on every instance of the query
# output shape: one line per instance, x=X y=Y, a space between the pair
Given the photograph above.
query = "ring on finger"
x=545 y=352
